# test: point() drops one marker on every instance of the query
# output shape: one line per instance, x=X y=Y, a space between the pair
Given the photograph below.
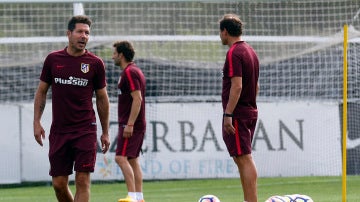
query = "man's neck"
x=75 y=53
x=233 y=40
x=125 y=64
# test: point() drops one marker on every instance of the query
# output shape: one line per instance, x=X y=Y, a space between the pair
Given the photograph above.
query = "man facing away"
x=74 y=74
x=131 y=118
x=239 y=91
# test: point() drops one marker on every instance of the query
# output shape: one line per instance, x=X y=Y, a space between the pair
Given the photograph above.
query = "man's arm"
x=39 y=106
x=102 y=105
x=135 y=106
x=235 y=91
x=135 y=109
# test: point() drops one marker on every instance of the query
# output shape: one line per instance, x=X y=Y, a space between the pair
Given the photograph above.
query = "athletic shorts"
x=70 y=151
x=240 y=143
x=129 y=147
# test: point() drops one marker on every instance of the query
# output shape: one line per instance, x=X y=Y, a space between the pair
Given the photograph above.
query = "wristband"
x=228 y=115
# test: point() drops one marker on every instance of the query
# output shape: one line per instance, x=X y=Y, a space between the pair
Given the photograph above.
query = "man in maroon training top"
x=131 y=117
x=240 y=88
x=74 y=74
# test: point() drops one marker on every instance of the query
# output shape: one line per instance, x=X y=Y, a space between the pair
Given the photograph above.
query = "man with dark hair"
x=74 y=74
x=131 y=118
x=239 y=91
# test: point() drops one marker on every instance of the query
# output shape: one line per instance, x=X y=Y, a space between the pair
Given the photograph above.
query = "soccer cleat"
x=141 y=200
x=127 y=199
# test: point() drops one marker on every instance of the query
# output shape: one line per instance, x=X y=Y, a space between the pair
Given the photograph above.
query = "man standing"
x=131 y=118
x=74 y=74
x=239 y=91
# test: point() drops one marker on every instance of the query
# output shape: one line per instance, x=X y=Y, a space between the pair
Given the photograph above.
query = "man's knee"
x=243 y=159
x=120 y=160
x=60 y=183
x=82 y=179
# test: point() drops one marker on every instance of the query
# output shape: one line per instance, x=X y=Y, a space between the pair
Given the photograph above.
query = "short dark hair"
x=126 y=48
x=232 y=24
x=78 y=19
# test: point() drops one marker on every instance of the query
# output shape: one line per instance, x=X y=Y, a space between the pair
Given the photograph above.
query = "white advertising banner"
x=298 y=139
x=34 y=157
x=184 y=140
x=10 y=166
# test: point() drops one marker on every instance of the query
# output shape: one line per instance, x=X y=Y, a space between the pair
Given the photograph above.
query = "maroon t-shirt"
x=242 y=61
x=131 y=79
x=73 y=81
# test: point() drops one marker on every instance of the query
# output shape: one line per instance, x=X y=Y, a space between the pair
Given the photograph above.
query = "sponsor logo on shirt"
x=85 y=67
x=72 y=81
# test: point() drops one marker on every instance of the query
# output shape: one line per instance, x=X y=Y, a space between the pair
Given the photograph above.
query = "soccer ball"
x=290 y=198
x=209 y=198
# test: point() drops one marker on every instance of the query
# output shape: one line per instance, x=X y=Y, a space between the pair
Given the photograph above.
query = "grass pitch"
x=321 y=189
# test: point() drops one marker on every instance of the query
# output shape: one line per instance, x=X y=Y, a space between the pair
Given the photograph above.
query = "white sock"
x=139 y=196
x=132 y=195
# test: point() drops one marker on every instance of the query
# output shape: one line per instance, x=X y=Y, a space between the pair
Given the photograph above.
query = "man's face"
x=116 y=57
x=79 y=37
x=223 y=37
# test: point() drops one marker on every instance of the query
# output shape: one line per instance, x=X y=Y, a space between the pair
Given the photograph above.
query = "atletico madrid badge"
x=85 y=68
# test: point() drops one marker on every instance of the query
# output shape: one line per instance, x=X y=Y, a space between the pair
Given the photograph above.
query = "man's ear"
x=225 y=31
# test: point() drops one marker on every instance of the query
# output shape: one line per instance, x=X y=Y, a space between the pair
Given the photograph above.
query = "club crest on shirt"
x=85 y=68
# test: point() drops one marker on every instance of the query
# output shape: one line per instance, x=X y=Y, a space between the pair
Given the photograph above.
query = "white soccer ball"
x=290 y=198
x=209 y=198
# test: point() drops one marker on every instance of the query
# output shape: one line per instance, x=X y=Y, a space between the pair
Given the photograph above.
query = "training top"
x=242 y=61
x=73 y=81
x=131 y=79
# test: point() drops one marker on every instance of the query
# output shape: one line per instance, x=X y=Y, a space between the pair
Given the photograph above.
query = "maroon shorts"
x=70 y=151
x=240 y=143
x=130 y=147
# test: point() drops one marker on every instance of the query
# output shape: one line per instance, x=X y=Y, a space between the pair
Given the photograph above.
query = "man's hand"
x=228 y=127
x=39 y=133
x=105 y=142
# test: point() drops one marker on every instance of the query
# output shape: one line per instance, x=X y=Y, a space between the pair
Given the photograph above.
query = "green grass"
x=321 y=189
